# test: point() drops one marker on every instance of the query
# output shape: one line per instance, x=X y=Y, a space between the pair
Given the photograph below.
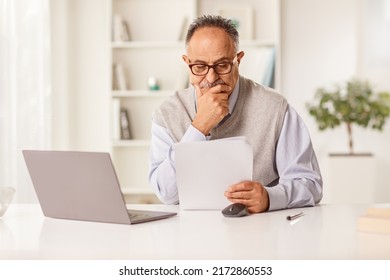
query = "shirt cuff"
x=277 y=197
x=193 y=135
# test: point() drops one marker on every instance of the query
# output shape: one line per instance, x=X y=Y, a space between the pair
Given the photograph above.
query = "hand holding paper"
x=252 y=194
x=205 y=170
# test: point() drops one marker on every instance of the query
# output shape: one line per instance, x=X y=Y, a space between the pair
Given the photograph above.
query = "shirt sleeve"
x=300 y=181
x=162 y=172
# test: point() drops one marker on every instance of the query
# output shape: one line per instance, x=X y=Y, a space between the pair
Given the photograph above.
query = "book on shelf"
x=125 y=124
x=261 y=68
x=116 y=127
x=125 y=31
x=119 y=77
x=269 y=73
x=120 y=29
x=376 y=219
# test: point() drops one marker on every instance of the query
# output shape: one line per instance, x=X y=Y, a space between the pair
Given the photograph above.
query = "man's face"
x=210 y=46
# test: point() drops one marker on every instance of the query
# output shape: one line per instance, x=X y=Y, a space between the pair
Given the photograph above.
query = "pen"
x=293 y=217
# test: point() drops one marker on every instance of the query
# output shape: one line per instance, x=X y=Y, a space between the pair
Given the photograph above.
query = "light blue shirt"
x=300 y=182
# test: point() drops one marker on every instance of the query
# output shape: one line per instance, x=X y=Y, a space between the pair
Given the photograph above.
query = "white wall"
x=322 y=45
x=80 y=66
x=374 y=42
x=60 y=68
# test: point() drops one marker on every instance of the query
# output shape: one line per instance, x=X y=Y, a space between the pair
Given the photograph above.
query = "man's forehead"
x=210 y=42
x=210 y=34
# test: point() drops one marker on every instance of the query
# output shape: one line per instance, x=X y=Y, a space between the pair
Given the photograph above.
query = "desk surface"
x=324 y=232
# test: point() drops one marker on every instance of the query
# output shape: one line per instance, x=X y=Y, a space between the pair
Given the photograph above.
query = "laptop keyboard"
x=137 y=216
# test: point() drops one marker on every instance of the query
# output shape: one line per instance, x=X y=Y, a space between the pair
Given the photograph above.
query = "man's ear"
x=185 y=58
x=240 y=55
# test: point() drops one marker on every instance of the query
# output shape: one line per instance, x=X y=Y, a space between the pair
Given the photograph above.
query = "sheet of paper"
x=204 y=170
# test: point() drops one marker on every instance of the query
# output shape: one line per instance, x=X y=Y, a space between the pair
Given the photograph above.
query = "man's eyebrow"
x=222 y=59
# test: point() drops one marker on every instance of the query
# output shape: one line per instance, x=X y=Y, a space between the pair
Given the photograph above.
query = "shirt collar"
x=234 y=96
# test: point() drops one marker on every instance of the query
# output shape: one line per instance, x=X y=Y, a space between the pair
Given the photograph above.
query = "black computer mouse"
x=235 y=210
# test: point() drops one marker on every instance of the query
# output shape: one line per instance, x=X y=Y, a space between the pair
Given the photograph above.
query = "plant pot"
x=351 y=178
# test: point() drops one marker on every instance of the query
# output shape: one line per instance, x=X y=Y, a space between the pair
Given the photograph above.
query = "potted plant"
x=351 y=176
x=354 y=103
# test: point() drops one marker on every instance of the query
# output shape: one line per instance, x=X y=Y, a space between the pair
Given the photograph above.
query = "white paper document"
x=205 y=170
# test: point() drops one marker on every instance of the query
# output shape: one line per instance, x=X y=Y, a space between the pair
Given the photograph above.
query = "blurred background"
x=86 y=75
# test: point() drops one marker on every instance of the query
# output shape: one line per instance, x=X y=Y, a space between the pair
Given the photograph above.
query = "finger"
x=242 y=186
x=246 y=195
x=239 y=200
x=250 y=203
x=220 y=89
x=224 y=96
x=225 y=89
x=217 y=97
x=221 y=104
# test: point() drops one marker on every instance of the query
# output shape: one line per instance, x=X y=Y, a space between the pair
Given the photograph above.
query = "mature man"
x=220 y=103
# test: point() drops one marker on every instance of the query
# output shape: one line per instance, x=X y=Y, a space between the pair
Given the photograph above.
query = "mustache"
x=207 y=84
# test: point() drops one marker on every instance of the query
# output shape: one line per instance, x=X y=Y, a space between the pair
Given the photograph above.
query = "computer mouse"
x=235 y=210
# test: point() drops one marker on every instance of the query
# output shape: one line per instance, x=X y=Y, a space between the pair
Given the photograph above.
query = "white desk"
x=325 y=232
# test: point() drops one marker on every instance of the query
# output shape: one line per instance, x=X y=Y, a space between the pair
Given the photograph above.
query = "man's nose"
x=212 y=76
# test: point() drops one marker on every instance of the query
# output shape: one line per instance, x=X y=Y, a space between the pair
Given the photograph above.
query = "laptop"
x=82 y=186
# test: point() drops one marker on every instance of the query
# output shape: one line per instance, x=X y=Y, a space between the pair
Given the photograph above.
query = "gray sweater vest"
x=258 y=115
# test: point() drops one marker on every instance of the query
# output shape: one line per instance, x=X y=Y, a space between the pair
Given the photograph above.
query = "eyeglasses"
x=222 y=68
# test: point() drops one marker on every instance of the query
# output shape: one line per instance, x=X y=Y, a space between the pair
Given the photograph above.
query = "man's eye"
x=222 y=65
x=200 y=67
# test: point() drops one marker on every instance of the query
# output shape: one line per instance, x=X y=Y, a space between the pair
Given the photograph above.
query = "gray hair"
x=214 y=21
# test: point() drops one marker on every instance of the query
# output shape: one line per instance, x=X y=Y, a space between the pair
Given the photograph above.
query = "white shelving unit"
x=155 y=50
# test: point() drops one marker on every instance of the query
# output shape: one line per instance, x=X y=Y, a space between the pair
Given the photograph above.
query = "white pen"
x=293 y=217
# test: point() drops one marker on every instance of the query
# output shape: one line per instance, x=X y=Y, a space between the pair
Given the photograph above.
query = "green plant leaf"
x=353 y=102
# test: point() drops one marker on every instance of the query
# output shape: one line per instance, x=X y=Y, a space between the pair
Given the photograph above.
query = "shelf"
x=141 y=93
x=257 y=43
x=131 y=143
x=147 y=44
x=133 y=190
x=181 y=44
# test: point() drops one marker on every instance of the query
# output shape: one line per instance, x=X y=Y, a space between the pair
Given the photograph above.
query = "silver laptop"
x=82 y=186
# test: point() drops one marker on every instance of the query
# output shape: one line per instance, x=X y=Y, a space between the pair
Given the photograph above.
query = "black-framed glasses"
x=222 y=68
